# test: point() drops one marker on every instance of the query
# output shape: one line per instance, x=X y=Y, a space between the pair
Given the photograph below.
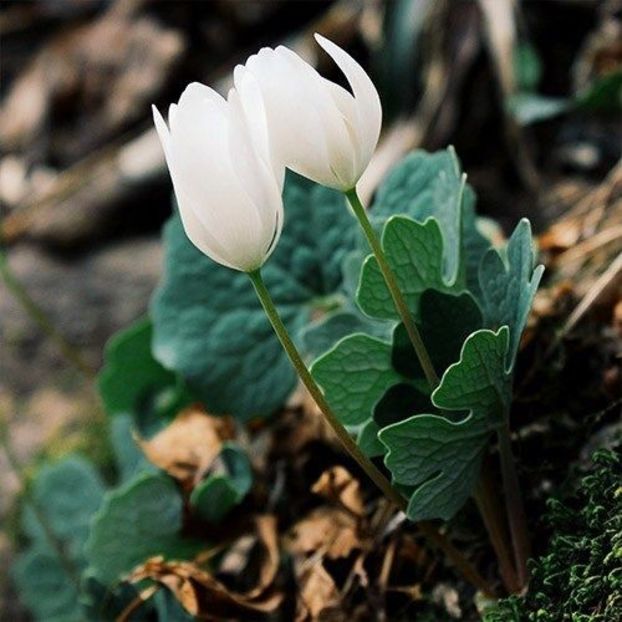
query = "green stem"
x=396 y=294
x=65 y=561
x=484 y=496
x=348 y=443
x=40 y=318
x=515 y=507
x=294 y=356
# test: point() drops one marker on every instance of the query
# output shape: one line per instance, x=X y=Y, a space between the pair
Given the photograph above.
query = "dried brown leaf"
x=337 y=485
x=317 y=594
x=187 y=448
x=326 y=530
x=205 y=597
x=617 y=318
x=268 y=537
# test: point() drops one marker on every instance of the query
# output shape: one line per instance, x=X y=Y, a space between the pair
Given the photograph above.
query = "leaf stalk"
x=485 y=500
x=515 y=507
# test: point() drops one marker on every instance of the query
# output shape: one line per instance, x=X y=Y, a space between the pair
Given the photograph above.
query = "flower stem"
x=515 y=507
x=396 y=294
x=305 y=375
x=348 y=443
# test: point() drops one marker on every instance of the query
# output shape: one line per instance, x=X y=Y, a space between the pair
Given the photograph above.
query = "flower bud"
x=228 y=193
x=314 y=127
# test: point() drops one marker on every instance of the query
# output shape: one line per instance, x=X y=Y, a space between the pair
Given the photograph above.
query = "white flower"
x=314 y=126
x=229 y=195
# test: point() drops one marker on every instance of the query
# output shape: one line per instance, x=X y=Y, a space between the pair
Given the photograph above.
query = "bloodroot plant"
x=408 y=350
x=418 y=351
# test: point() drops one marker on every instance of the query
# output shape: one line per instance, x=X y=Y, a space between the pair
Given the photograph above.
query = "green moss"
x=579 y=579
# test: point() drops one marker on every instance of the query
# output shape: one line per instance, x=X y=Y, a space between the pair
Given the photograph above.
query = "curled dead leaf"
x=205 y=597
x=189 y=445
x=325 y=530
x=318 y=593
x=337 y=485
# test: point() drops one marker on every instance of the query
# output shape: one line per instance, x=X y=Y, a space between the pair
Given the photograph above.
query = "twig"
x=579 y=251
x=38 y=315
x=605 y=279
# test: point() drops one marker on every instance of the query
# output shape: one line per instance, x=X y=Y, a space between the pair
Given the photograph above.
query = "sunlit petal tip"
x=156 y=113
x=319 y=38
x=160 y=124
x=239 y=71
x=328 y=46
x=285 y=53
x=264 y=51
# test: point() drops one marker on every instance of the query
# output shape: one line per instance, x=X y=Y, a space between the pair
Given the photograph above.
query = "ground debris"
x=207 y=598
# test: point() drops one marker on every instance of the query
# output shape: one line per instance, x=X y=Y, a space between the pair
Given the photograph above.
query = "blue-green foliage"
x=470 y=302
x=210 y=342
x=83 y=538
x=225 y=488
x=56 y=520
x=209 y=326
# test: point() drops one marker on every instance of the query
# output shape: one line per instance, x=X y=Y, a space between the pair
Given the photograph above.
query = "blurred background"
x=528 y=92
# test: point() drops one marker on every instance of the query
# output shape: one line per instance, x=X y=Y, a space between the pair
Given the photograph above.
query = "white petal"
x=200 y=236
x=297 y=131
x=255 y=174
x=366 y=96
x=251 y=100
x=163 y=132
x=228 y=194
x=315 y=96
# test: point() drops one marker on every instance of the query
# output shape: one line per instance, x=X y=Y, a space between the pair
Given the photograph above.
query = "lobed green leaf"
x=509 y=283
x=136 y=521
x=440 y=459
x=425 y=185
x=65 y=495
x=415 y=253
x=355 y=375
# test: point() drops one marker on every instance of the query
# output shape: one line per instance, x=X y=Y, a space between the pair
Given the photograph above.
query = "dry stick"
x=39 y=316
x=396 y=294
x=455 y=556
x=603 y=281
x=579 y=251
